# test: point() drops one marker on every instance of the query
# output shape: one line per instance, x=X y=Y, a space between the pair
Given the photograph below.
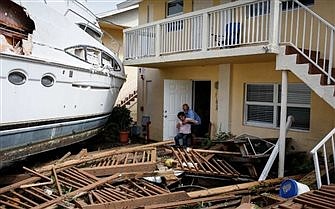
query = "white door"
x=176 y=93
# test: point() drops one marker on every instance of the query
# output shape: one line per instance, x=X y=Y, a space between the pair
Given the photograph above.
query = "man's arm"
x=191 y=121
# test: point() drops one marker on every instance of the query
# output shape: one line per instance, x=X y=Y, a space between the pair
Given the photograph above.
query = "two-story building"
x=243 y=66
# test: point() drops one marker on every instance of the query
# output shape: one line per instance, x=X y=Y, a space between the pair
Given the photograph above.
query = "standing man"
x=193 y=115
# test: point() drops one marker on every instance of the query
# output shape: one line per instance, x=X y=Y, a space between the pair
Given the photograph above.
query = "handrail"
x=314 y=152
x=312 y=36
x=314 y=14
x=323 y=141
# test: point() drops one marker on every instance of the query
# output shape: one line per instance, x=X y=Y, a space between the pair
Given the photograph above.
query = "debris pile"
x=137 y=177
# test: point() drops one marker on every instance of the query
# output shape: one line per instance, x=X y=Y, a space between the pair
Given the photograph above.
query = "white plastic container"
x=290 y=188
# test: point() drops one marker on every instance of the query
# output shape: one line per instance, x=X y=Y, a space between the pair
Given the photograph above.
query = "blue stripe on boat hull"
x=15 y=144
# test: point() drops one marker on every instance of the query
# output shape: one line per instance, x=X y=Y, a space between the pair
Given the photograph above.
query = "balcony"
x=227 y=31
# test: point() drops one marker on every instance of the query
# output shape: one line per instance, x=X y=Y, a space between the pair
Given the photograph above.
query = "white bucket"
x=290 y=188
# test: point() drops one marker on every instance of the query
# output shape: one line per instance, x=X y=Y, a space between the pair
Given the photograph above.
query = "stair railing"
x=322 y=147
x=306 y=31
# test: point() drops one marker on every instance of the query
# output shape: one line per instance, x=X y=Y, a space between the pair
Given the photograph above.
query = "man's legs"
x=177 y=138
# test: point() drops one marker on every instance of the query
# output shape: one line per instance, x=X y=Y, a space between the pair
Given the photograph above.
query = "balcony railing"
x=229 y=25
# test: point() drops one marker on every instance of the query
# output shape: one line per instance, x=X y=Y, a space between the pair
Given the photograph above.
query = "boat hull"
x=35 y=118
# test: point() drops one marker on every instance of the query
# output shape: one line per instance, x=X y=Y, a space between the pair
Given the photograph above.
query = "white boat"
x=58 y=83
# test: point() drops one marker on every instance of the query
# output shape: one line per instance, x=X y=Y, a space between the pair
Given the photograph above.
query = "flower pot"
x=124 y=137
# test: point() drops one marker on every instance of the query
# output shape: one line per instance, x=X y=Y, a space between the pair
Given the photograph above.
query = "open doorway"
x=202 y=103
x=195 y=93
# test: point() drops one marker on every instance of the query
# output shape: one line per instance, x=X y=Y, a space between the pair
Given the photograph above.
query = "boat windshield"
x=95 y=34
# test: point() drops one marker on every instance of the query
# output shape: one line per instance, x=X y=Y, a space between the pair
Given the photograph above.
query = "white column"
x=282 y=132
x=223 y=98
x=158 y=40
x=204 y=31
x=274 y=26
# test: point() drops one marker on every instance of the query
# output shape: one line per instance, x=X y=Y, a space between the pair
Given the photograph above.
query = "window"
x=263 y=7
x=93 y=56
x=48 y=80
x=262 y=105
x=95 y=34
x=290 y=4
x=17 y=77
x=174 y=7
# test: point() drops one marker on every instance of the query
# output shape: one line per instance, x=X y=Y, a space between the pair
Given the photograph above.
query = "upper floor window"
x=262 y=105
x=292 y=4
x=263 y=7
x=174 y=7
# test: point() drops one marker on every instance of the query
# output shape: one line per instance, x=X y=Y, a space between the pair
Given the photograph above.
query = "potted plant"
x=121 y=118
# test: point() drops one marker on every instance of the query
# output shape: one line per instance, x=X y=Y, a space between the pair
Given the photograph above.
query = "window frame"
x=276 y=106
x=176 y=2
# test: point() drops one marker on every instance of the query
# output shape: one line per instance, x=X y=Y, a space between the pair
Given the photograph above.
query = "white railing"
x=184 y=34
x=140 y=43
x=308 y=33
x=232 y=24
x=244 y=24
x=322 y=146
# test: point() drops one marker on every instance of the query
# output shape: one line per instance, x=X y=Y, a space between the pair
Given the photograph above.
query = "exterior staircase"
x=128 y=100
x=289 y=58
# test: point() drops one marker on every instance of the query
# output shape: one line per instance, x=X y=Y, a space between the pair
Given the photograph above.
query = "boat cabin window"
x=116 y=66
x=109 y=62
x=78 y=52
x=96 y=35
x=93 y=56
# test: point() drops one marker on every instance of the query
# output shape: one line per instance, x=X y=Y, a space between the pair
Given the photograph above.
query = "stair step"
x=314 y=70
x=291 y=50
x=323 y=80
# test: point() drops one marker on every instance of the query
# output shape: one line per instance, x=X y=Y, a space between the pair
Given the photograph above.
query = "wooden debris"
x=323 y=199
x=100 y=155
x=142 y=201
x=194 y=202
x=237 y=187
x=191 y=161
x=142 y=160
x=83 y=153
x=247 y=206
x=63 y=158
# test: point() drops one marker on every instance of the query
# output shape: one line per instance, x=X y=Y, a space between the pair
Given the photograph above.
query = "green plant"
x=222 y=136
x=121 y=118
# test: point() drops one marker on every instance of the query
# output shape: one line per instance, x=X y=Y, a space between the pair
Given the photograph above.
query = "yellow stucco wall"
x=114 y=41
x=325 y=9
x=158 y=9
x=322 y=114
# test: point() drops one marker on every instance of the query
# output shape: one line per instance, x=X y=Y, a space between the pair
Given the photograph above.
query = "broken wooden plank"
x=236 y=187
x=77 y=192
x=121 y=163
x=191 y=202
x=191 y=161
x=143 y=201
x=99 y=155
